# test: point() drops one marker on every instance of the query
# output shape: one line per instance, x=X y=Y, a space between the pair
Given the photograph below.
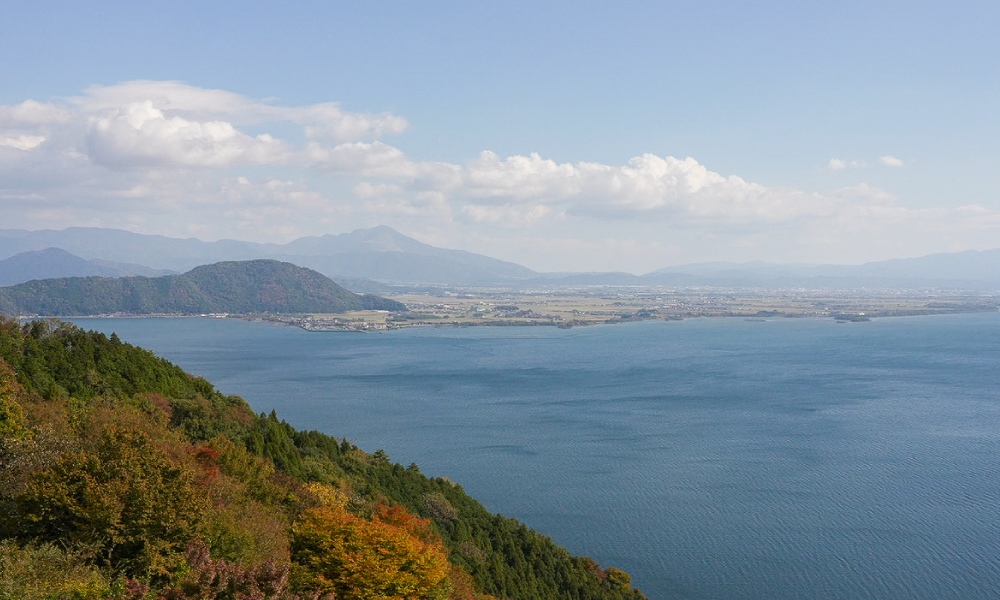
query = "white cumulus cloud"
x=325 y=121
x=143 y=125
x=519 y=178
x=890 y=161
x=140 y=134
x=328 y=122
x=647 y=184
x=32 y=114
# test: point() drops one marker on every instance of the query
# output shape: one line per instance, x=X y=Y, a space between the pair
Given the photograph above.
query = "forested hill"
x=123 y=477
x=255 y=286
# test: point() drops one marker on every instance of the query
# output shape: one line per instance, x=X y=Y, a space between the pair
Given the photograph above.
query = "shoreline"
x=308 y=322
x=568 y=309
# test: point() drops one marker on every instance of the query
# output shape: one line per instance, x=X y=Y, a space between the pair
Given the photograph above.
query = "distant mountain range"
x=53 y=262
x=370 y=258
x=257 y=286
x=380 y=254
x=970 y=270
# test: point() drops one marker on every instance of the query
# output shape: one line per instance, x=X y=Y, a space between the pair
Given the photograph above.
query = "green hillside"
x=123 y=477
x=241 y=287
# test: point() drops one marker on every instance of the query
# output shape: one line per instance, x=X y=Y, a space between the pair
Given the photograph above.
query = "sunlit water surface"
x=712 y=459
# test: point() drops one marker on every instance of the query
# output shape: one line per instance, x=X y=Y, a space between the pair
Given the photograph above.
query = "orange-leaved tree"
x=392 y=556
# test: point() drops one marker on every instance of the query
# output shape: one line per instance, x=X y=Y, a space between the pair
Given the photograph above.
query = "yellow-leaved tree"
x=393 y=555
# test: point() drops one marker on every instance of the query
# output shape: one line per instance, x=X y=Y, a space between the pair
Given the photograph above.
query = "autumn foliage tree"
x=125 y=498
x=391 y=556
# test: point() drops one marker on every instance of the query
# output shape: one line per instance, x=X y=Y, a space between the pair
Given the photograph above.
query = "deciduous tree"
x=360 y=559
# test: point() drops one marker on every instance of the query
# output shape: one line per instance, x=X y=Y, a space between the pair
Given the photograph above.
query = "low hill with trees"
x=241 y=287
x=123 y=477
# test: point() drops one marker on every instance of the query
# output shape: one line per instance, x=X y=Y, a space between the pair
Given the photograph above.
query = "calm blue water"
x=711 y=459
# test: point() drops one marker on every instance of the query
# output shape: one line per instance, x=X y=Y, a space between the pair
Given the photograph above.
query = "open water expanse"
x=710 y=458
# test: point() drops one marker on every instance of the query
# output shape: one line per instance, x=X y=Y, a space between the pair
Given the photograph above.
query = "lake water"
x=710 y=458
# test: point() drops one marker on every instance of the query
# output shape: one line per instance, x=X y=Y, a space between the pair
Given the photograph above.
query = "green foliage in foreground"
x=254 y=286
x=123 y=477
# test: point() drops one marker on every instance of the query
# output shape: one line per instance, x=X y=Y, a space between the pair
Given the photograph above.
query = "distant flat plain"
x=605 y=305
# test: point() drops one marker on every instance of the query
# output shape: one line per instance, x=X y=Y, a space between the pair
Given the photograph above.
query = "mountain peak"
x=382 y=238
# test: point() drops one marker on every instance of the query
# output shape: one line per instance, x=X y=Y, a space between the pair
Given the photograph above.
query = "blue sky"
x=560 y=135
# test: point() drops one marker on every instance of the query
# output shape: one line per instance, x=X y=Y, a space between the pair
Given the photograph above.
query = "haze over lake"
x=711 y=459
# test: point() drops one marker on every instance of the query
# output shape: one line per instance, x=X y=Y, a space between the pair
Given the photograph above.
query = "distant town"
x=573 y=307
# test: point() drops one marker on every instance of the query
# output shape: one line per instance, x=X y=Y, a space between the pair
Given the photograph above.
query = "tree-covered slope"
x=255 y=286
x=123 y=477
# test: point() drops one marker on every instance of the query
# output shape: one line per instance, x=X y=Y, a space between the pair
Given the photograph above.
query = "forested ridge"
x=252 y=286
x=121 y=476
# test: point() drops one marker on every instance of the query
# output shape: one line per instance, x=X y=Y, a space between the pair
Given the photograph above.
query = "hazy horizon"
x=631 y=272
x=564 y=137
